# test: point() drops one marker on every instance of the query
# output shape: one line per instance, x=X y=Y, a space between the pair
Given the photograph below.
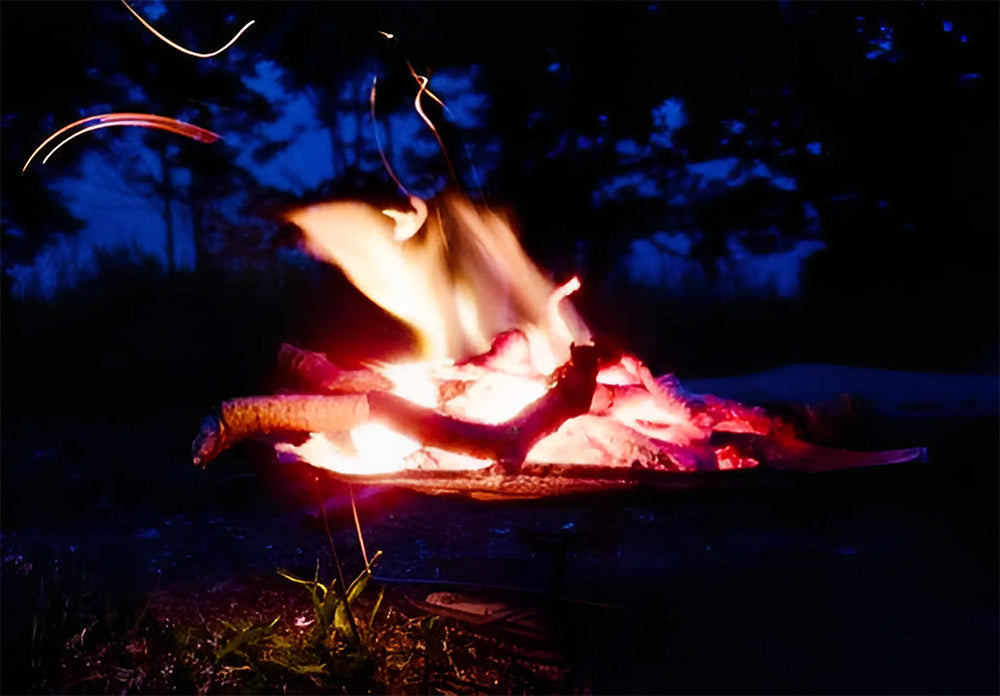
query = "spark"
x=171 y=125
x=180 y=48
x=387 y=34
x=378 y=140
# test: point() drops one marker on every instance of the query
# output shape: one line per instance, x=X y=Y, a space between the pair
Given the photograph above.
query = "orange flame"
x=457 y=275
x=453 y=271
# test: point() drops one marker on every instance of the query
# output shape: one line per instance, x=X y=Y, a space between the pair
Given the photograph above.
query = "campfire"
x=511 y=397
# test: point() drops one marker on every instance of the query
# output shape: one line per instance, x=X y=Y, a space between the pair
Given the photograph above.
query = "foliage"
x=240 y=637
x=871 y=128
x=602 y=130
x=332 y=606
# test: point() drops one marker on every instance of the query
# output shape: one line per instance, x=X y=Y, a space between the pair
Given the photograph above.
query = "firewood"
x=781 y=461
x=254 y=416
x=534 y=480
x=507 y=443
x=315 y=370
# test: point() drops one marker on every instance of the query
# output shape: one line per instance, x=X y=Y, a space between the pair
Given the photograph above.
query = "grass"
x=254 y=634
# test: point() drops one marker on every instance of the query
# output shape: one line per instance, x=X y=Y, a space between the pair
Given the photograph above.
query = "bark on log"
x=574 y=393
x=252 y=416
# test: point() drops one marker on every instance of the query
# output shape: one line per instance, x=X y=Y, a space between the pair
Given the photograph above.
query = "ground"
x=127 y=569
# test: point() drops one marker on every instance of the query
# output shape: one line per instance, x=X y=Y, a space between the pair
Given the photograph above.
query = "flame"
x=380 y=448
x=728 y=458
x=372 y=449
x=456 y=274
x=453 y=271
x=413 y=381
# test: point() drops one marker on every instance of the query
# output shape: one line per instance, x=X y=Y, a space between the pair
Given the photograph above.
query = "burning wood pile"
x=541 y=410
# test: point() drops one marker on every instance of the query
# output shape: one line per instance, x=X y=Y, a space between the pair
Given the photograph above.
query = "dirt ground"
x=126 y=569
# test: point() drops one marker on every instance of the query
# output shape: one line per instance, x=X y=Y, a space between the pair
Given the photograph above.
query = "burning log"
x=505 y=423
x=256 y=416
x=732 y=436
x=533 y=481
x=508 y=443
x=315 y=370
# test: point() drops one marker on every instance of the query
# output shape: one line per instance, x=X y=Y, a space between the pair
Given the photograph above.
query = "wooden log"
x=507 y=443
x=574 y=393
x=254 y=416
x=532 y=481
x=315 y=370
x=780 y=463
x=782 y=450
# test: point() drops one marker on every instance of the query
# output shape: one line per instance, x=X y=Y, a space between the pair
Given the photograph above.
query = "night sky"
x=842 y=155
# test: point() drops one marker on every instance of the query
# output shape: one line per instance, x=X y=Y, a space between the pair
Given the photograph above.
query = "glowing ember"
x=729 y=458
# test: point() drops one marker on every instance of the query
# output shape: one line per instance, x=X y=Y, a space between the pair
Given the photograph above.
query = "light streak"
x=422 y=81
x=180 y=48
x=171 y=125
x=378 y=140
x=87 y=130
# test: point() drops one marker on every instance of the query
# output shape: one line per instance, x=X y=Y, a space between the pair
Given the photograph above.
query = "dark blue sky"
x=677 y=141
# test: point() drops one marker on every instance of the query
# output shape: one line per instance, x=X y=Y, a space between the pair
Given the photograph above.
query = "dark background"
x=903 y=188
x=878 y=583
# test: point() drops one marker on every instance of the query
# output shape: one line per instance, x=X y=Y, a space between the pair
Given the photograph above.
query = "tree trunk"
x=166 y=191
x=198 y=234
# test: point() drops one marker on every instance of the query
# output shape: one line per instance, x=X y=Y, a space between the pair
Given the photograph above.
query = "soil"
x=126 y=569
